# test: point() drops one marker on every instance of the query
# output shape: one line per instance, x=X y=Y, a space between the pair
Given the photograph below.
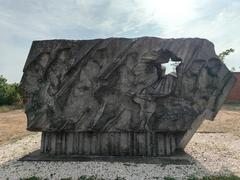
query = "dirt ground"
x=226 y=121
x=13 y=124
x=214 y=150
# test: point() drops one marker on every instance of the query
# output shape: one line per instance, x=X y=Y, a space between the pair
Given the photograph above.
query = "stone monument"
x=108 y=97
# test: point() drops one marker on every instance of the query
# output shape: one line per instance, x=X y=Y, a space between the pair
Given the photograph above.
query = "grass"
x=231 y=177
x=32 y=178
x=69 y=178
x=232 y=106
x=6 y=108
x=169 y=178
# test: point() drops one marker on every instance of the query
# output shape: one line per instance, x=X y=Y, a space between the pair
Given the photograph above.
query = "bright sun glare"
x=173 y=11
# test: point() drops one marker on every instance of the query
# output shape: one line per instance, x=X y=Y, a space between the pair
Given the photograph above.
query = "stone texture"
x=110 y=143
x=117 y=86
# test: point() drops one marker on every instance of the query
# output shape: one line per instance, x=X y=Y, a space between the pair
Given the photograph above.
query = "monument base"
x=179 y=157
x=110 y=143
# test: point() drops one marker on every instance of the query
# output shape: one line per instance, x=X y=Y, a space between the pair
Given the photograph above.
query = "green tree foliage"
x=225 y=53
x=9 y=93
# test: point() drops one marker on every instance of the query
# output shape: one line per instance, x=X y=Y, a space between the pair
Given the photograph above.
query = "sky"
x=22 y=21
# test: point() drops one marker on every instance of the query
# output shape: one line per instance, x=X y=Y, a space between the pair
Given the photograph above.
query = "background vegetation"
x=9 y=93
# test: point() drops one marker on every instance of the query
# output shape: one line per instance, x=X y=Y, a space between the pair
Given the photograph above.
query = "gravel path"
x=212 y=153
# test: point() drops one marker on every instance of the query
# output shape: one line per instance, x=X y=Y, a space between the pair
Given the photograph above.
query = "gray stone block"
x=112 y=96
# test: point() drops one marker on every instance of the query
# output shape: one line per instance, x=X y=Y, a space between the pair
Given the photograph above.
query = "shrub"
x=9 y=93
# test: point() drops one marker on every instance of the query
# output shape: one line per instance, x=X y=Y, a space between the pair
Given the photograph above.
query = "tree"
x=3 y=90
x=233 y=69
x=225 y=53
x=9 y=93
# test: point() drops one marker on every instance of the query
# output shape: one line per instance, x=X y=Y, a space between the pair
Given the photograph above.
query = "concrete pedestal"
x=110 y=143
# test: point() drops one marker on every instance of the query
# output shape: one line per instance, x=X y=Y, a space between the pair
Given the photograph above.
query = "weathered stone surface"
x=118 y=86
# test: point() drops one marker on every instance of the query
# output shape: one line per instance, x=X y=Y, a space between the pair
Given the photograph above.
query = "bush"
x=9 y=93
